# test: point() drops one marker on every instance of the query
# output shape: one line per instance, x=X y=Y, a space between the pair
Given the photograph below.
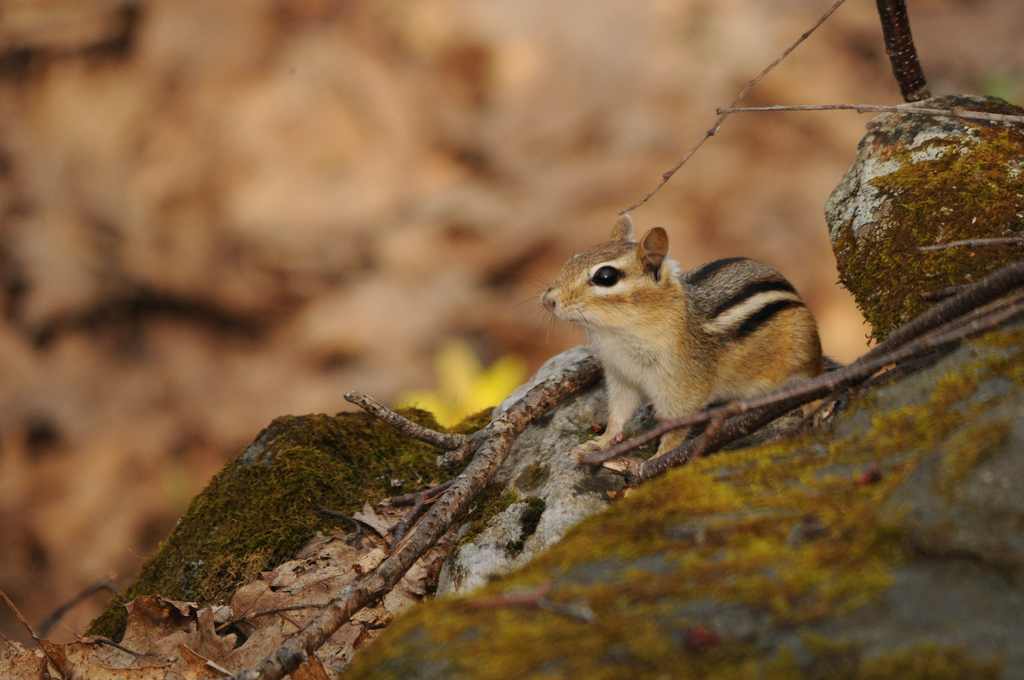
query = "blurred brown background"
x=215 y=212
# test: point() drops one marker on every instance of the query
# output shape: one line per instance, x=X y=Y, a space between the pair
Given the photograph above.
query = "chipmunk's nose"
x=548 y=300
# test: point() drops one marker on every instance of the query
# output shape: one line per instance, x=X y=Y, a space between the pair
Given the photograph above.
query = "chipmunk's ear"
x=623 y=229
x=652 y=251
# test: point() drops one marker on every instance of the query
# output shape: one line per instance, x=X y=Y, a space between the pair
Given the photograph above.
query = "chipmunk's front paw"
x=592 y=446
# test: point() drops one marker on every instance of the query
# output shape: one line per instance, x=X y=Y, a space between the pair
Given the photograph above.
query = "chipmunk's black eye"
x=606 y=276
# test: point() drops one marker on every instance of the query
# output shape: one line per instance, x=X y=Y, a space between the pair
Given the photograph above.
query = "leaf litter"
x=179 y=641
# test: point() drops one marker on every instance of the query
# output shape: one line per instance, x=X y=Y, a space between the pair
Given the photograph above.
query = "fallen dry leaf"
x=311 y=670
x=382 y=525
x=74 y=661
x=152 y=617
x=172 y=640
x=198 y=667
x=18 y=663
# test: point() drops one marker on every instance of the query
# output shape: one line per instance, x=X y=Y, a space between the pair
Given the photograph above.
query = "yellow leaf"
x=463 y=385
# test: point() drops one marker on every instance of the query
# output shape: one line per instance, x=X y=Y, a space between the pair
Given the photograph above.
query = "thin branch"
x=416 y=496
x=445 y=442
x=99 y=639
x=493 y=448
x=872 y=108
x=993 y=286
x=419 y=507
x=47 y=649
x=724 y=113
x=523 y=599
x=963 y=304
x=977 y=242
x=107 y=584
x=357 y=524
x=403 y=525
x=537 y=598
x=17 y=615
x=269 y=612
x=899 y=45
x=942 y=293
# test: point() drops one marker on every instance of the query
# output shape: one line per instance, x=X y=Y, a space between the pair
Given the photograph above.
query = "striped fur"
x=728 y=329
x=738 y=296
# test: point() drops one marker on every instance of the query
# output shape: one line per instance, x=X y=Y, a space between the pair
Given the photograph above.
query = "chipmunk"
x=728 y=329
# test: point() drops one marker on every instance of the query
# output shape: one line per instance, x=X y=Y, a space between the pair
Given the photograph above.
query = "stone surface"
x=923 y=180
x=538 y=467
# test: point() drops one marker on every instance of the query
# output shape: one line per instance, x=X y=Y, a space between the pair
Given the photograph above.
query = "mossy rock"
x=882 y=548
x=926 y=180
x=264 y=505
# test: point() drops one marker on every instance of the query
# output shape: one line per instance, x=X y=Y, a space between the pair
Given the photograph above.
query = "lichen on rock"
x=922 y=180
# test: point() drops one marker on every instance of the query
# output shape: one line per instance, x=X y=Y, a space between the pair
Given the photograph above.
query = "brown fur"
x=681 y=344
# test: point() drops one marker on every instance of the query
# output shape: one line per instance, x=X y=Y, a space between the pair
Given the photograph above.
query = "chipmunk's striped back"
x=738 y=296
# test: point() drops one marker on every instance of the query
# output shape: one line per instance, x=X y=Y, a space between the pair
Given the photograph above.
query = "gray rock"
x=858 y=203
x=538 y=467
x=921 y=180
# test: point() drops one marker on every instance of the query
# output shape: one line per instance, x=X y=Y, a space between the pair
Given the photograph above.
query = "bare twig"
x=17 y=615
x=964 y=303
x=415 y=496
x=462 y=454
x=536 y=598
x=942 y=293
x=521 y=599
x=419 y=507
x=899 y=45
x=993 y=286
x=107 y=584
x=99 y=639
x=445 y=442
x=872 y=108
x=403 y=525
x=249 y=616
x=977 y=242
x=327 y=512
x=489 y=455
x=724 y=113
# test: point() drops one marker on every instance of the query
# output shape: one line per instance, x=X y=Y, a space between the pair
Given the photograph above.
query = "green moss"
x=474 y=422
x=965 y=193
x=833 y=658
x=533 y=475
x=846 y=660
x=529 y=520
x=966 y=449
x=928 y=661
x=491 y=501
x=262 y=507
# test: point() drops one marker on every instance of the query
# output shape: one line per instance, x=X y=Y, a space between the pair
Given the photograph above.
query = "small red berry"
x=701 y=638
x=869 y=475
